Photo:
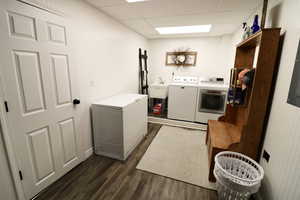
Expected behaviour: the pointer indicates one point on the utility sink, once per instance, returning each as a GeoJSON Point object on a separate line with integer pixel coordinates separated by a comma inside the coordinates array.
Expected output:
{"type": "Point", "coordinates": [159, 91]}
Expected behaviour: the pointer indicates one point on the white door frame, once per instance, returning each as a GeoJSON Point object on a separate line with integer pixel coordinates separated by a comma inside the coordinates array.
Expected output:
{"type": "Point", "coordinates": [12, 159]}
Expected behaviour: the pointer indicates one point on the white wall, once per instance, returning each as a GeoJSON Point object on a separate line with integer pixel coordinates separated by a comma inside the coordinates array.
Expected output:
{"type": "Point", "coordinates": [282, 175]}
{"type": "Point", "coordinates": [212, 60]}
{"type": "Point", "coordinates": [106, 55]}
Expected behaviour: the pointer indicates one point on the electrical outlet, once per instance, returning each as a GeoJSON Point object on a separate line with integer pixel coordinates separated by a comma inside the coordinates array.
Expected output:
{"type": "Point", "coordinates": [266, 156]}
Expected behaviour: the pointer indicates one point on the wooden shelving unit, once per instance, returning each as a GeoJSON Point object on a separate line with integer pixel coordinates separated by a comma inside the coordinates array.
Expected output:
{"type": "Point", "coordinates": [241, 128]}
{"type": "Point", "coordinates": [252, 41]}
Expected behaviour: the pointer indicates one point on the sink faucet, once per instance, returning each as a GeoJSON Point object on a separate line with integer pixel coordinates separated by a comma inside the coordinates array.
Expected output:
{"type": "Point", "coordinates": [161, 81]}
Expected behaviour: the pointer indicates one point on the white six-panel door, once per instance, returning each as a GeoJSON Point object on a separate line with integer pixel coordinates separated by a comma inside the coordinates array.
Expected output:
{"type": "Point", "coordinates": [39, 88]}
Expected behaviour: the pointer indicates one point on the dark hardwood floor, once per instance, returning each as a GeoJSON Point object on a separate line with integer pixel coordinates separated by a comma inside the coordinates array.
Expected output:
{"type": "Point", "coordinates": [101, 178]}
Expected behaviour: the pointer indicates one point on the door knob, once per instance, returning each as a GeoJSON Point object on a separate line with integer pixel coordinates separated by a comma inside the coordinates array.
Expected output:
{"type": "Point", "coordinates": [76, 101]}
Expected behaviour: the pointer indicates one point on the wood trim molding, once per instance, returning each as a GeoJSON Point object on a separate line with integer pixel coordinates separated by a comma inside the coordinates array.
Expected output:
{"type": "Point", "coordinates": [43, 6]}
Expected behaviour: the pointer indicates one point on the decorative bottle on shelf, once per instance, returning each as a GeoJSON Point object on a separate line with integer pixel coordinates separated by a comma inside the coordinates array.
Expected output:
{"type": "Point", "coordinates": [247, 31]}
{"type": "Point", "coordinates": [255, 27]}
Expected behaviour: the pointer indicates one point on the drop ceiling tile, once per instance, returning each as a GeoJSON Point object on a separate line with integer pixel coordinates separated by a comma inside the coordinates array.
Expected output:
{"type": "Point", "coordinates": [162, 8]}
{"type": "Point", "coordinates": [195, 6]}
{"type": "Point", "coordinates": [139, 11]}
{"type": "Point", "coordinates": [123, 12]}
{"type": "Point", "coordinates": [224, 28]}
{"type": "Point", "coordinates": [238, 5]}
{"type": "Point", "coordinates": [210, 18]}
{"type": "Point", "coordinates": [103, 3]}
{"type": "Point", "coordinates": [141, 26]}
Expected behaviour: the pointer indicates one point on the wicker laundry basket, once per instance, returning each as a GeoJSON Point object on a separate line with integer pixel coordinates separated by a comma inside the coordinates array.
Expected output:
{"type": "Point", "coordinates": [238, 176]}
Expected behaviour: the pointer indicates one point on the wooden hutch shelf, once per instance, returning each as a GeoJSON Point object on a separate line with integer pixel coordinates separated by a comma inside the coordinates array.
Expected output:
{"type": "Point", "coordinates": [241, 128]}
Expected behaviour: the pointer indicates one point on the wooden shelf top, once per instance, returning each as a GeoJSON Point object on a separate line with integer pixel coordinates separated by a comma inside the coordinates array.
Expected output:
{"type": "Point", "coordinates": [254, 40]}
{"type": "Point", "coordinates": [223, 134]}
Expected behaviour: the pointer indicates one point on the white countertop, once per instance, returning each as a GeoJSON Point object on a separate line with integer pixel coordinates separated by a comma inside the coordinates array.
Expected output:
{"type": "Point", "coordinates": [204, 85]}
{"type": "Point", "coordinates": [184, 84]}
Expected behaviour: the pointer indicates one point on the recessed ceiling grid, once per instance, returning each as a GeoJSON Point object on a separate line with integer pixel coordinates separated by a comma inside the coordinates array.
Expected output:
{"type": "Point", "coordinates": [143, 17]}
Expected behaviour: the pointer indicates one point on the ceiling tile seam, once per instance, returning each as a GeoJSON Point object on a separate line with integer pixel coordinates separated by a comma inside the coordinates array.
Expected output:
{"type": "Point", "coordinates": [184, 15]}
{"type": "Point", "coordinates": [122, 4]}
{"type": "Point", "coordinates": [122, 22]}
{"type": "Point", "coordinates": [220, 3]}
{"type": "Point", "coordinates": [145, 19]}
{"type": "Point", "coordinates": [191, 14]}
{"type": "Point", "coordinates": [150, 25]}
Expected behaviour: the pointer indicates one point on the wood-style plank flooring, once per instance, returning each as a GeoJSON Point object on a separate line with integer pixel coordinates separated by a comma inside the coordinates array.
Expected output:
{"type": "Point", "coordinates": [101, 178]}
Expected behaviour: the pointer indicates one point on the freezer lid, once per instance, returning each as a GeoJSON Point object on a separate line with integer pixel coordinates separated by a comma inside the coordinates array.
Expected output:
{"type": "Point", "coordinates": [119, 101]}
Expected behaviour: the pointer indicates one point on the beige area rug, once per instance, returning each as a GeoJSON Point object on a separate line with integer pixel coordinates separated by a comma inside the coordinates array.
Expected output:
{"type": "Point", "coordinates": [178, 153]}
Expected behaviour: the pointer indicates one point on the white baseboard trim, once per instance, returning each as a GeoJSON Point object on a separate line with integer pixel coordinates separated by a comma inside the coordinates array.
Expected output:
{"type": "Point", "coordinates": [88, 153]}
{"type": "Point", "coordinates": [178, 123]}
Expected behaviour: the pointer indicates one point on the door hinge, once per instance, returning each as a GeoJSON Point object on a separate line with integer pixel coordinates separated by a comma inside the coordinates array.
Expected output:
{"type": "Point", "coordinates": [21, 175]}
{"type": "Point", "coordinates": [6, 106]}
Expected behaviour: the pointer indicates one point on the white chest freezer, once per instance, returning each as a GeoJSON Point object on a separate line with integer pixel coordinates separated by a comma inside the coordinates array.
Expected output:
{"type": "Point", "coordinates": [119, 124]}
